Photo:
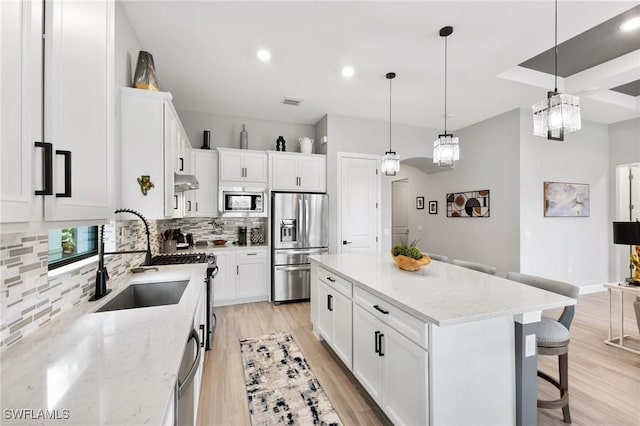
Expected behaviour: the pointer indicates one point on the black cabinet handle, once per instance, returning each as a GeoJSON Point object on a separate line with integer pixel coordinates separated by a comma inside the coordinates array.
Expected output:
{"type": "Point", "coordinates": [345, 242]}
{"type": "Point", "coordinates": [331, 279]}
{"type": "Point", "coordinates": [381, 310]}
{"type": "Point", "coordinates": [189, 203]}
{"type": "Point", "coordinates": [176, 198]}
{"type": "Point", "coordinates": [377, 342]}
{"type": "Point", "coordinates": [47, 169]}
{"type": "Point", "coordinates": [196, 206]}
{"type": "Point", "coordinates": [67, 174]}
{"type": "Point", "coordinates": [380, 336]}
{"type": "Point", "coordinates": [202, 331]}
{"type": "Point", "coordinates": [330, 302]}
{"type": "Point", "coordinates": [181, 164]}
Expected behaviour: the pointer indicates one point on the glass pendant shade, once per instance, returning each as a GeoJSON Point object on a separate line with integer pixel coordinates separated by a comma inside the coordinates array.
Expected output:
{"type": "Point", "coordinates": [446, 150]}
{"type": "Point", "coordinates": [556, 115]}
{"type": "Point", "coordinates": [390, 163]}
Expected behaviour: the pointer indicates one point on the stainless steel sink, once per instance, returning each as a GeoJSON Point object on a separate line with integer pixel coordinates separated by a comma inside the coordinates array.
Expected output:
{"type": "Point", "coordinates": [146, 295]}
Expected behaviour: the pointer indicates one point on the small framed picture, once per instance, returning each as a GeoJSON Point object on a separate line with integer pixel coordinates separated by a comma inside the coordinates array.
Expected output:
{"type": "Point", "coordinates": [433, 207]}
{"type": "Point", "coordinates": [419, 203]}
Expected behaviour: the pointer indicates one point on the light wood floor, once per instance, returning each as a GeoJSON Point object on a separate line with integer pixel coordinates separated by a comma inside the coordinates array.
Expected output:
{"type": "Point", "coordinates": [604, 381]}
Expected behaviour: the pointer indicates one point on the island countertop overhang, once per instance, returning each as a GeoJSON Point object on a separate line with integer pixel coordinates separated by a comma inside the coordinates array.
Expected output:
{"type": "Point", "coordinates": [440, 293]}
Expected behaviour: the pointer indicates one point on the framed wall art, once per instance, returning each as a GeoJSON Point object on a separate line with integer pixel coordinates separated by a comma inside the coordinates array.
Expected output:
{"type": "Point", "coordinates": [566, 199]}
{"type": "Point", "coordinates": [468, 204]}
{"type": "Point", "coordinates": [420, 203]}
{"type": "Point", "coordinates": [433, 207]}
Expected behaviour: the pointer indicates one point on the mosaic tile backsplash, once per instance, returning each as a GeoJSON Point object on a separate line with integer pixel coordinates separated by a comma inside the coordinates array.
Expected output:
{"type": "Point", "coordinates": [30, 297]}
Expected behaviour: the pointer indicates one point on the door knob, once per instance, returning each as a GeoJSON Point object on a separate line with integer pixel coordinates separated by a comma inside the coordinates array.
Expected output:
{"type": "Point", "coordinates": [345, 242]}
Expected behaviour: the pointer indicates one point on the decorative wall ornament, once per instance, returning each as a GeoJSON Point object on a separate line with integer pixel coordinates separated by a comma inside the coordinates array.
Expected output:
{"type": "Point", "coordinates": [433, 207]}
{"type": "Point", "coordinates": [420, 203]}
{"type": "Point", "coordinates": [468, 204]}
{"type": "Point", "coordinates": [145, 184]}
{"type": "Point", "coordinates": [566, 199]}
{"type": "Point", "coordinates": [281, 144]}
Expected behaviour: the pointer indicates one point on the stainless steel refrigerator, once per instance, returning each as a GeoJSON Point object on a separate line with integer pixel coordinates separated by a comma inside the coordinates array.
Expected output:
{"type": "Point", "coordinates": [299, 228]}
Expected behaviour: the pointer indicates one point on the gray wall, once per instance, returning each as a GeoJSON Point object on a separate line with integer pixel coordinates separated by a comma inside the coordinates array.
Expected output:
{"type": "Point", "coordinates": [624, 148]}
{"type": "Point", "coordinates": [357, 135]}
{"type": "Point", "coordinates": [563, 248]}
{"type": "Point", "coordinates": [321, 130]}
{"type": "Point", "coordinates": [489, 159]}
{"type": "Point", "coordinates": [417, 219]}
{"type": "Point", "coordinates": [225, 131]}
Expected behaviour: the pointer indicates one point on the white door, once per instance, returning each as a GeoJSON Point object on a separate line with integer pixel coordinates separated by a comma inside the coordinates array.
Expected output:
{"type": "Point", "coordinates": [252, 279]}
{"type": "Point", "coordinates": [284, 175]}
{"type": "Point", "coordinates": [366, 360]}
{"type": "Point", "coordinates": [79, 108]}
{"type": "Point", "coordinates": [20, 111]}
{"type": "Point", "coordinates": [358, 204]}
{"type": "Point", "coordinates": [342, 327]}
{"type": "Point", "coordinates": [224, 284]}
{"type": "Point", "coordinates": [400, 211]}
{"type": "Point", "coordinates": [231, 165]}
{"type": "Point", "coordinates": [312, 172]}
{"type": "Point", "coordinates": [325, 313]}
{"type": "Point", "coordinates": [206, 197]}
{"type": "Point", "coordinates": [255, 167]}
{"type": "Point", "coordinates": [405, 376]}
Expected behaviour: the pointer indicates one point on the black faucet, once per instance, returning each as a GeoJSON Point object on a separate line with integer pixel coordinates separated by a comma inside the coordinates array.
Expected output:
{"type": "Point", "coordinates": [102, 275]}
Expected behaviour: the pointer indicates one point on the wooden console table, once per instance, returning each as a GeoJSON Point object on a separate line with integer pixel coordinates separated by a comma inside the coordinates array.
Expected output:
{"type": "Point", "coordinates": [618, 341]}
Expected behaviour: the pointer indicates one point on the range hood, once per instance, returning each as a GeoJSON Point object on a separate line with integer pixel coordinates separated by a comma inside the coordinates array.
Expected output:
{"type": "Point", "coordinates": [185, 182]}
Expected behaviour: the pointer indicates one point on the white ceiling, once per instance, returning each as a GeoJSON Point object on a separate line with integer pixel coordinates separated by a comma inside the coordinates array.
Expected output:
{"type": "Point", "coordinates": [205, 54]}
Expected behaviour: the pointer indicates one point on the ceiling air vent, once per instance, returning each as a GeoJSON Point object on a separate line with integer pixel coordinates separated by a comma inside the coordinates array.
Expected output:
{"type": "Point", "coordinates": [289, 100]}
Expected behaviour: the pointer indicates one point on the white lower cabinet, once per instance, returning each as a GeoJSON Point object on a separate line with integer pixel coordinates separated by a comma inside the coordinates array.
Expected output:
{"type": "Point", "coordinates": [335, 321]}
{"type": "Point", "coordinates": [391, 368]}
{"type": "Point", "coordinates": [243, 276]}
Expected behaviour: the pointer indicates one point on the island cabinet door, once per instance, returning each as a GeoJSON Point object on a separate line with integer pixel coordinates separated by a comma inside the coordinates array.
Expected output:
{"type": "Point", "coordinates": [405, 399]}
{"type": "Point", "coordinates": [367, 362]}
{"type": "Point", "coordinates": [325, 312]}
{"type": "Point", "coordinates": [342, 327]}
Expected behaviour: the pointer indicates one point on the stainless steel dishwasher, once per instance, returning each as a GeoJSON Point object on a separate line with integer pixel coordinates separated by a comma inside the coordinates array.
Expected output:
{"type": "Point", "coordinates": [184, 394]}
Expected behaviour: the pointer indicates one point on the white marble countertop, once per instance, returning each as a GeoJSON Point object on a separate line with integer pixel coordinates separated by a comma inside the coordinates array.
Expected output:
{"type": "Point", "coordinates": [116, 367]}
{"type": "Point", "coordinates": [440, 293]}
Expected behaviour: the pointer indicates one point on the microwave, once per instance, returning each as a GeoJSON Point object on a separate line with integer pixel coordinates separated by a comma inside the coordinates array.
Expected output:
{"type": "Point", "coordinates": [242, 202]}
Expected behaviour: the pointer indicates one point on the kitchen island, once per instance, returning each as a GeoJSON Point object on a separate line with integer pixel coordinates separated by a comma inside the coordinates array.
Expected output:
{"type": "Point", "coordinates": [444, 345]}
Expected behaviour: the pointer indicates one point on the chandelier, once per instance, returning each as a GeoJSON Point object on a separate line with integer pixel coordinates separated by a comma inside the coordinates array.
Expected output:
{"type": "Point", "coordinates": [390, 160]}
{"type": "Point", "coordinates": [446, 148]}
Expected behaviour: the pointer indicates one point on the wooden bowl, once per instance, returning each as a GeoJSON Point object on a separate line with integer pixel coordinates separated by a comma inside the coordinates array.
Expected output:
{"type": "Point", "coordinates": [410, 264]}
{"type": "Point", "coordinates": [219, 242]}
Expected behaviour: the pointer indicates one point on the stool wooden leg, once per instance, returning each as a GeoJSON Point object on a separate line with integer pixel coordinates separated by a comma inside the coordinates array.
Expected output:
{"type": "Point", "coordinates": [563, 367]}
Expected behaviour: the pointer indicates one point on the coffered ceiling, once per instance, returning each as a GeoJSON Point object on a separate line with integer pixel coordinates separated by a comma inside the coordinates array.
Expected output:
{"type": "Point", "coordinates": [205, 54]}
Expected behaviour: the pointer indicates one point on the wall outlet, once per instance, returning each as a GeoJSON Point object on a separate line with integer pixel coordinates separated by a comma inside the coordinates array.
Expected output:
{"type": "Point", "coordinates": [419, 227]}
{"type": "Point", "coordinates": [530, 345]}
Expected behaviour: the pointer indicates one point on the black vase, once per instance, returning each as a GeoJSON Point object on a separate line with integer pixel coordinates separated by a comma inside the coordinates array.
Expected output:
{"type": "Point", "coordinates": [145, 75]}
{"type": "Point", "coordinates": [280, 144]}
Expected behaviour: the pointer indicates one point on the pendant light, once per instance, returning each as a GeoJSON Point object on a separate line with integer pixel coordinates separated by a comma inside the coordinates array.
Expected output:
{"type": "Point", "coordinates": [445, 148]}
{"type": "Point", "coordinates": [390, 160]}
{"type": "Point", "coordinates": [559, 113]}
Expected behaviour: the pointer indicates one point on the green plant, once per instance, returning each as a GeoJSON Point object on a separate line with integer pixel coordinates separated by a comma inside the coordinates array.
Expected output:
{"type": "Point", "coordinates": [409, 250]}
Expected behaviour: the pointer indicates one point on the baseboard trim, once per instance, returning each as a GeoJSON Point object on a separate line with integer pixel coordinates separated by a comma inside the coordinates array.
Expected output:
{"type": "Point", "coordinates": [594, 288]}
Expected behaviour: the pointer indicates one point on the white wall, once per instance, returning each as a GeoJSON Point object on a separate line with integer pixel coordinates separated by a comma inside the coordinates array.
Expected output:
{"type": "Point", "coordinates": [489, 159]}
{"type": "Point", "coordinates": [568, 249]}
{"type": "Point", "coordinates": [225, 131]}
{"type": "Point", "coordinates": [624, 148]}
{"type": "Point", "coordinates": [357, 135]}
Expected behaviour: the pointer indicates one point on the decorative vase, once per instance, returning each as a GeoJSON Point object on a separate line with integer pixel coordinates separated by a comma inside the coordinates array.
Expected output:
{"type": "Point", "coordinates": [145, 75]}
{"type": "Point", "coordinates": [410, 264]}
{"type": "Point", "coordinates": [280, 144]}
{"type": "Point", "coordinates": [244, 138]}
{"type": "Point", "coordinates": [206, 142]}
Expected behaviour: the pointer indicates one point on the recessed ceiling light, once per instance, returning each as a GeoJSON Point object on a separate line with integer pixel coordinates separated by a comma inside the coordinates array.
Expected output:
{"type": "Point", "coordinates": [347, 71]}
{"type": "Point", "coordinates": [264, 55]}
{"type": "Point", "coordinates": [631, 24]}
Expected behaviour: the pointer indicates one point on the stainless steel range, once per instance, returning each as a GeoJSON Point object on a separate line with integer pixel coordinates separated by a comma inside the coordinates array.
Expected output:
{"type": "Point", "coordinates": [212, 270]}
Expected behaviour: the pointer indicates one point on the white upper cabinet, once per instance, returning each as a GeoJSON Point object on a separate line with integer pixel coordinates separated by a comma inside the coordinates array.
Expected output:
{"type": "Point", "coordinates": [57, 141]}
{"type": "Point", "coordinates": [78, 109]}
{"type": "Point", "coordinates": [151, 130]}
{"type": "Point", "coordinates": [297, 172]}
{"type": "Point", "coordinates": [20, 111]}
{"type": "Point", "coordinates": [242, 167]}
{"type": "Point", "coordinates": [206, 170]}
